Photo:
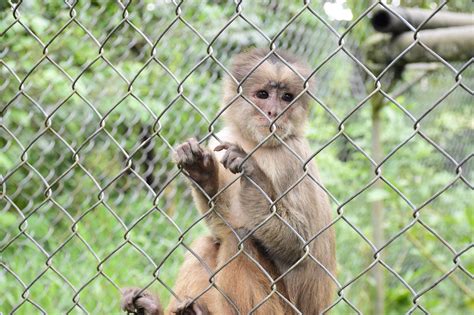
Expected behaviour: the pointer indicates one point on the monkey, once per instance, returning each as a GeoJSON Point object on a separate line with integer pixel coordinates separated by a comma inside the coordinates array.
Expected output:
{"type": "Point", "coordinates": [262, 199]}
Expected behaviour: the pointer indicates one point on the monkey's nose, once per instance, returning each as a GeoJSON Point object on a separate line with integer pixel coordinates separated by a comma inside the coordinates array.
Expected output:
{"type": "Point", "coordinates": [272, 114]}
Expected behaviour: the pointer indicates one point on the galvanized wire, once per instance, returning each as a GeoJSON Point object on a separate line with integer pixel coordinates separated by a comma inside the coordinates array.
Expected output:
{"type": "Point", "coordinates": [93, 163]}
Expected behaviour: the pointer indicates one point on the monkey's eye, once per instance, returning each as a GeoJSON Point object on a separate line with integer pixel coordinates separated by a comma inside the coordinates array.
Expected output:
{"type": "Point", "coordinates": [262, 94]}
{"type": "Point", "coordinates": [287, 97]}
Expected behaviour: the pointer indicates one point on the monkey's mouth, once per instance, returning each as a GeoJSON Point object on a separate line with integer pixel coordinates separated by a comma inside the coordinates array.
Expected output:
{"type": "Point", "coordinates": [266, 127]}
{"type": "Point", "coordinates": [265, 124]}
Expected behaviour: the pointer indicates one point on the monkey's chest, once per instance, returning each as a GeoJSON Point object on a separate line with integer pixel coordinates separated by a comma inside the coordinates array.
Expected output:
{"type": "Point", "coordinates": [282, 170]}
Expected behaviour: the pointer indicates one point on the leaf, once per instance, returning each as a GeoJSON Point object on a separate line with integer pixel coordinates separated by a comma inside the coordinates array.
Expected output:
{"type": "Point", "coordinates": [7, 220]}
{"type": "Point", "coordinates": [6, 163]}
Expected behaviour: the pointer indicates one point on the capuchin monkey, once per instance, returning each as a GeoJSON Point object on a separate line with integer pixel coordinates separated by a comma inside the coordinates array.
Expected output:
{"type": "Point", "coordinates": [261, 203]}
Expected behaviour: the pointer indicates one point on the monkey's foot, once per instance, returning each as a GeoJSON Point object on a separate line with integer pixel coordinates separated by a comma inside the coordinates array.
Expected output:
{"type": "Point", "coordinates": [140, 303]}
{"type": "Point", "coordinates": [190, 307]}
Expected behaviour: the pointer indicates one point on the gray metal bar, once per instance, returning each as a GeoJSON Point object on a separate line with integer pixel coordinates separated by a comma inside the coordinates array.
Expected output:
{"type": "Point", "coordinates": [386, 22]}
{"type": "Point", "coordinates": [451, 44]}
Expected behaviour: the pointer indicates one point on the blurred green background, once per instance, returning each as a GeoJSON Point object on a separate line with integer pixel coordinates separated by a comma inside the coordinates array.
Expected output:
{"type": "Point", "coordinates": [91, 202]}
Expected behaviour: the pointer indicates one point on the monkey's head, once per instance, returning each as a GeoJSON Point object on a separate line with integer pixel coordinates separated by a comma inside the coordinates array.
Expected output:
{"type": "Point", "coordinates": [270, 91]}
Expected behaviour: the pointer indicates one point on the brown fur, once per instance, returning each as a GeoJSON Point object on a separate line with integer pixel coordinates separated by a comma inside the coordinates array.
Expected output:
{"type": "Point", "coordinates": [237, 279]}
{"type": "Point", "coordinates": [275, 169]}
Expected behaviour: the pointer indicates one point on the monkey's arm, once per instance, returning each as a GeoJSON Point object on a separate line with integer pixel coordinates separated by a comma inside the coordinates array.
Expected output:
{"type": "Point", "coordinates": [282, 236]}
{"type": "Point", "coordinates": [202, 168]}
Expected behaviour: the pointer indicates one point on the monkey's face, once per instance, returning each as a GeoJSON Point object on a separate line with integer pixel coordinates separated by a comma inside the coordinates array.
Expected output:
{"type": "Point", "coordinates": [271, 100]}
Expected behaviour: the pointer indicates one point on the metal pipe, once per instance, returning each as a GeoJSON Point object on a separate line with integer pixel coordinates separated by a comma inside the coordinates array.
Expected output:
{"type": "Point", "coordinates": [386, 22]}
{"type": "Point", "coordinates": [451, 44]}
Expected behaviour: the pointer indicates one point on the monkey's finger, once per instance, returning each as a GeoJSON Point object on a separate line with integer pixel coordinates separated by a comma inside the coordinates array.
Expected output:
{"type": "Point", "coordinates": [207, 159]}
{"type": "Point", "coordinates": [128, 297]}
{"type": "Point", "coordinates": [174, 157]}
{"type": "Point", "coordinates": [230, 162]}
{"type": "Point", "coordinates": [227, 146]}
{"type": "Point", "coordinates": [187, 153]}
{"type": "Point", "coordinates": [223, 146]}
{"type": "Point", "coordinates": [180, 156]}
{"type": "Point", "coordinates": [225, 158]}
{"type": "Point", "coordinates": [235, 166]}
{"type": "Point", "coordinates": [148, 305]}
{"type": "Point", "coordinates": [195, 147]}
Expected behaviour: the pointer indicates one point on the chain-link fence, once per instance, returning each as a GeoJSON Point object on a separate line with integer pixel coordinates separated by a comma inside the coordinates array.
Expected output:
{"type": "Point", "coordinates": [95, 96]}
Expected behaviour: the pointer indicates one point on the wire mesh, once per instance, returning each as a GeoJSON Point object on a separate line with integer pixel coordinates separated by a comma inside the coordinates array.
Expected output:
{"type": "Point", "coordinates": [95, 96]}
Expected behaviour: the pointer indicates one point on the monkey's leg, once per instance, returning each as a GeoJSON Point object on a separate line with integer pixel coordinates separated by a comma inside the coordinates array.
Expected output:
{"type": "Point", "coordinates": [245, 283]}
{"type": "Point", "coordinates": [193, 280]}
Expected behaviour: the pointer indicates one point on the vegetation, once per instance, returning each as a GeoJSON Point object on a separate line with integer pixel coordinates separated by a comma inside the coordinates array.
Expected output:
{"type": "Point", "coordinates": [90, 93]}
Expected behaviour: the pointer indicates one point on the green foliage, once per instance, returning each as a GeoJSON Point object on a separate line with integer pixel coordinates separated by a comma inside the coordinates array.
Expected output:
{"type": "Point", "coordinates": [93, 221]}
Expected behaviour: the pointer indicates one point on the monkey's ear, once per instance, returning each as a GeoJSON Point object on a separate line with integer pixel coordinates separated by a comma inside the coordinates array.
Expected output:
{"type": "Point", "coordinates": [244, 62]}
{"type": "Point", "coordinates": [306, 73]}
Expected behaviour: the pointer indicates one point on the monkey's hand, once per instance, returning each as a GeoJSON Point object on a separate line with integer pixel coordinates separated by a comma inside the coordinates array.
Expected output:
{"type": "Point", "coordinates": [255, 179]}
{"type": "Point", "coordinates": [140, 303]}
{"type": "Point", "coordinates": [200, 164]}
{"type": "Point", "coordinates": [233, 159]}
